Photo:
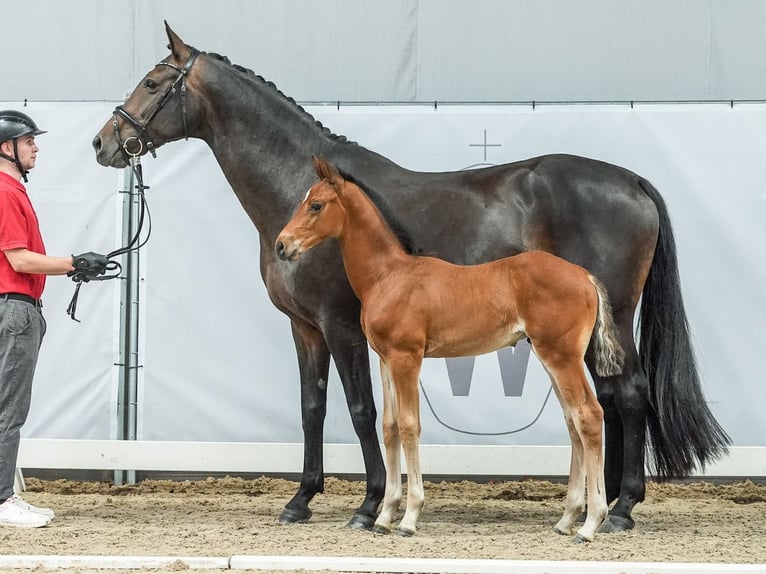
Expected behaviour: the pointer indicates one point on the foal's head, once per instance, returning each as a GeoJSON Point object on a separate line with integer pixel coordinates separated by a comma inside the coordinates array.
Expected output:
{"type": "Point", "coordinates": [319, 215]}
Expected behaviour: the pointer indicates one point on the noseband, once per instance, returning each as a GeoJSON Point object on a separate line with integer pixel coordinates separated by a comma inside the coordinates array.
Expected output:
{"type": "Point", "coordinates": [142, 139]}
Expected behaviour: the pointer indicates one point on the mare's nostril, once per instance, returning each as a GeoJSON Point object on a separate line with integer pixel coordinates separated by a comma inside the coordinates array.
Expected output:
{"type": "Point", "coordinates": [97, 143]}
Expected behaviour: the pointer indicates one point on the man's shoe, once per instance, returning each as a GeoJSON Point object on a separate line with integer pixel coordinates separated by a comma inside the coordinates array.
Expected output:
{"type": "Point", "coordinates": [16, 512]}
{"type": "Point", "coordinates": [32, 508]}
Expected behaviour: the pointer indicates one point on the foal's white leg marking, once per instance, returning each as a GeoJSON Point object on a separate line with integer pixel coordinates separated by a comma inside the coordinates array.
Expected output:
{"type": "Point", "coordinates": [415, 492]}
{"type": "Point", "coordinates": [393, 495]}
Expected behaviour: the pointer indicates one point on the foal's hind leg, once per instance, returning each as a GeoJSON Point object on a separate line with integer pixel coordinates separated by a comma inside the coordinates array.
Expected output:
{"type": "Point", "coordinates": [575, 499]}
{"type": "Point", "coordinates": [590, 427]}
{"type": "Point", "coordinates": [585, 423]}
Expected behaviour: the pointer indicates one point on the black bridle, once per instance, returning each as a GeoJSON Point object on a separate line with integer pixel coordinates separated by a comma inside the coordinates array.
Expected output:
{"type": "Point", "coordinates": [142, 140]}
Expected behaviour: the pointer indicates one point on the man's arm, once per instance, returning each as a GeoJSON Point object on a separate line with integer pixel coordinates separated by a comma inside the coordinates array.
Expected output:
{"type": "Point", "coordinates": [25, 261]}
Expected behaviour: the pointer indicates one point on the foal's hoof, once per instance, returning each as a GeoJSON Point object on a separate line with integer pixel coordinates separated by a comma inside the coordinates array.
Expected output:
{"type": "Point", "coordinates": [614, 523]}
{"type": "Point", "coordinates": [361, 522]}
{"type": "Point", "coordinates": [405, 532]}
{"type": "Point", "coordinates": [292, 516]}
{"type": "Point", "coordinates": [579, 539]}
{"type": "Point", "coordinates": [377, 529]}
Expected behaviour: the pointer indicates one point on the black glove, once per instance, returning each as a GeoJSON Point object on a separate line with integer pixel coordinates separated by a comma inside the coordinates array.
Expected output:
{"type": "Point", "coordinates": [87, 266]}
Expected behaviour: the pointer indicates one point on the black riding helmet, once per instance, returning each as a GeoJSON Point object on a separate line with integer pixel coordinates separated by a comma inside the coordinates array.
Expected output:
{"type": "Point", "coordinates": [13, 125]}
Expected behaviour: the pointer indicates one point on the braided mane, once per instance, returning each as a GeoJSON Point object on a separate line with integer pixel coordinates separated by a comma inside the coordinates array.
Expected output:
{"type": "Point", "coordinates": [270, 85]}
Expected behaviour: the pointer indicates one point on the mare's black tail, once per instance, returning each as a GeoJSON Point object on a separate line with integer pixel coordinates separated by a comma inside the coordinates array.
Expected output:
{"type": "Point", "coordinates": [682, 431]}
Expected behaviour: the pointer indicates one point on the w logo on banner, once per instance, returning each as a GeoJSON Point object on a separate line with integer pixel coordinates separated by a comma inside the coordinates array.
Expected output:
{"type": "Point", "coordinates": [512, 361]}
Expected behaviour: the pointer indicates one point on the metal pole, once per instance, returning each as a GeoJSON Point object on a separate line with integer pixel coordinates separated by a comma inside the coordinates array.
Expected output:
{"type": "Point", "coordinates": [133, 261]}
{"type": "Point", "coordinates": [128, 344]}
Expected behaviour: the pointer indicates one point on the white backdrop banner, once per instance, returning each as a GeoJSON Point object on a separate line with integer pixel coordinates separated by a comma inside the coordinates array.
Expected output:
{"type": "Point", "coordinates": [218, 362]}
{"type": "Point", "coordinates": [79, 208]}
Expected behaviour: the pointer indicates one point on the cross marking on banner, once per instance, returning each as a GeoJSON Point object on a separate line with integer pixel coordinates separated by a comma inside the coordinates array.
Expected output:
{"type": "Point", "coordinates": [485, 145]}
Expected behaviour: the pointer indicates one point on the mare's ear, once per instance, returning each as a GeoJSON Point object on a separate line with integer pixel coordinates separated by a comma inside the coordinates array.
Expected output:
{"type": "Point", "coordinates": [175, 44]}
{"type": "Point", "coordinates": [325, 170]}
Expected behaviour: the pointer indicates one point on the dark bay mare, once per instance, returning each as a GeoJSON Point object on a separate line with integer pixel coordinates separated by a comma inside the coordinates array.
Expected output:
{"type": "Point", "coordinates": [604, 218]}
{"type": "Point", "coordinates": [415, 306]}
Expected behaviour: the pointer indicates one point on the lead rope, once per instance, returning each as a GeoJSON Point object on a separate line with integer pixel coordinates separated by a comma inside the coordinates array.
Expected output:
{"type": "Point", "coordinates": [114, 267]}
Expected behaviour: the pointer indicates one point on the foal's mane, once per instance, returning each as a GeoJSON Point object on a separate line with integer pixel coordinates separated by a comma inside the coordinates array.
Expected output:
{"type": "Point", "coordinates": [271, 86]}
{"type": "Point", "coordinates": [405, 239]}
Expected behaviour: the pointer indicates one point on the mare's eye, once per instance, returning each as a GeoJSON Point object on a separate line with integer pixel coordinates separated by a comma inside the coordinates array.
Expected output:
{"type": "Point", "coordinates": [315, 207]}
{"type": "Point", "coordinates": [150, 84]}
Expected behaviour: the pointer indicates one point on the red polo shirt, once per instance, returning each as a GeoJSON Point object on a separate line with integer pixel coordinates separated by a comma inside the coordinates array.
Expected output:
{"type": "Point", "coordinates": [18, 228]}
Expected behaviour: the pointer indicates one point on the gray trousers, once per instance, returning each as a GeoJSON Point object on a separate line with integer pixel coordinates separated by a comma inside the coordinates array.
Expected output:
{"type": "Point", "coordinates": [22, 328]}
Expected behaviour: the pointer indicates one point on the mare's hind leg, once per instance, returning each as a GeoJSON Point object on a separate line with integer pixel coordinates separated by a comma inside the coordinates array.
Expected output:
{"type": "Point", "coordinates": [314, 365]}
{"type": "Point", "coordinates": [625, 399]}
{"type": "Point", "coordinates": [392, 442]}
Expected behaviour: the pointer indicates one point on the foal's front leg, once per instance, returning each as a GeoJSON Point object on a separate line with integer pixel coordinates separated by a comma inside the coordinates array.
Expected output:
{"type": "Point", "coordinates": [405, 371]}
{"type": "Point", "coordinates": [391, 440]}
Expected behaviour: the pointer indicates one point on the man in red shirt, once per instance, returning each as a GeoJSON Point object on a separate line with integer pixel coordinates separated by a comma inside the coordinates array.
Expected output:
{"type": "Point", "coordinates": [24, 266]}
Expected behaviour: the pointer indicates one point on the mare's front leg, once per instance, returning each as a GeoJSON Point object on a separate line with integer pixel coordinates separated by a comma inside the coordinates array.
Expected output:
{"type": "Point", "coordinates": [348, 347]}
{"type": "Point", "coordinates": [625, 400]}
{"type": "Point", "coordinates": [392, 442]}
{"type": "Point", "coordinates": [314, 366]}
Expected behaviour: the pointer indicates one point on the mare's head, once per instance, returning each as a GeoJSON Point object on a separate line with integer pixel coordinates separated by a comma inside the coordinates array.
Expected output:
{"type": "Point", "coordinates": [160, 109]}
{"type": "Point", "coordinates": [319, 216]}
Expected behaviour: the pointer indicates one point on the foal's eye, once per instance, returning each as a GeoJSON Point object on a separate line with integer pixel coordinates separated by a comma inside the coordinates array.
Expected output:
{"type": "Point", "coordinates": [315, 207]}
{"type": "Point", "coordinates": [150, 84]}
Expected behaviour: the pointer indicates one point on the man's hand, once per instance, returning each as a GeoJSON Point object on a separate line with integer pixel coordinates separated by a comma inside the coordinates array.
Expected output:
{"type": "Point", "coordinates": [87, 266]}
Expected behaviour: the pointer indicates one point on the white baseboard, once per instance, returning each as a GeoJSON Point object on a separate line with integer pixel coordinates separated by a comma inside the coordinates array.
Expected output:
{"type": "Point", "coordinates": [287, 458]}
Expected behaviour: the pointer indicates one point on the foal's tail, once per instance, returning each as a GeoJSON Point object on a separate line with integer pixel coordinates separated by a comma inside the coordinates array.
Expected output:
{"type": "Point", "coordinates": [683, 433]}
{"type": "Point", "coordinates": [610, 355]}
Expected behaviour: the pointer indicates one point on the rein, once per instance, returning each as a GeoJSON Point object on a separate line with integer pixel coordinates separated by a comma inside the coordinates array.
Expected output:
{"type": "Point", "coordinates": [140, 141]}
{"type": "Point", "coordinates": [135, 243]}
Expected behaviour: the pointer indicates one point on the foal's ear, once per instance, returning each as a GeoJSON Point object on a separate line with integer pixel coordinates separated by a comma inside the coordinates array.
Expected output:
{"type": "Point", "coordinates": [325, 170]}
{"type": "Point", "coordinates": [175, 44]}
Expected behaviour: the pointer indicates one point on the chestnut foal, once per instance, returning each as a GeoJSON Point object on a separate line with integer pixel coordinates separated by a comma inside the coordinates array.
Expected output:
{"type": "Point", "coordinates": [415, 307]}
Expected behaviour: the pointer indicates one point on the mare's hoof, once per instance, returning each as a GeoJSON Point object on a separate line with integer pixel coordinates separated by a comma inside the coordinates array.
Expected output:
{"type": "Point", "coordinates": [361, 522]}
{"type": "Point", "coordinates": [292, 516]}
{"type": "Point", "coordinates": [579, 539]}
{"type": "Point", "coordinates": [614, 523]}
{"type": "Point", "coordinates": [405, 532]}
{"type": "Point", "coordinates": [376, 529]}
